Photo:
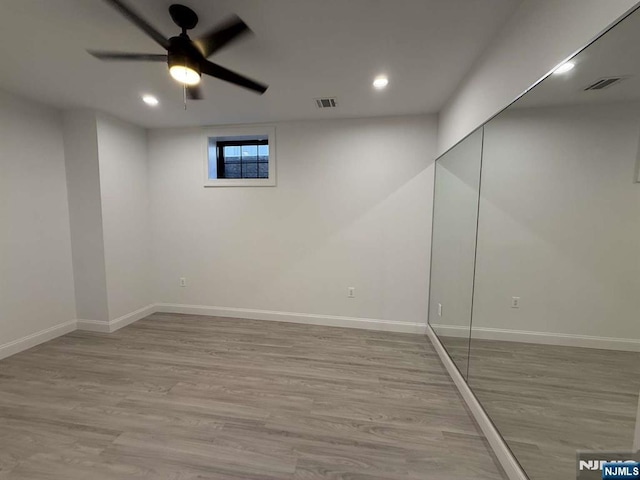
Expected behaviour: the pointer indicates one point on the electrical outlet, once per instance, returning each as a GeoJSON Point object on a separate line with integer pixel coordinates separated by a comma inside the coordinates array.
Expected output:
{"type": "Point", "coordinates": [439, 309]}
{"type": "Point", "coordinates": [183, 282]}
{"type": "Point", "coordinates": [351, 292]}
{"type": "Point", "coordinates": [515, 302]}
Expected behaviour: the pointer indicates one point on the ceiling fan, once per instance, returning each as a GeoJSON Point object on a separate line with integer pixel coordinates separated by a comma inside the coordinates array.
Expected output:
{"type": "Point", "coordinates": [186, 58]}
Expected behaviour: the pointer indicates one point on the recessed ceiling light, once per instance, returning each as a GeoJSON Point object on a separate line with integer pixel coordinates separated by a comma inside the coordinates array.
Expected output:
{"type": "Point", "coordinates": [380, 82]}
{"type": "Point", "coordinates": [150, 100]}
{"type": "Point", "coordinates": [564, 67]}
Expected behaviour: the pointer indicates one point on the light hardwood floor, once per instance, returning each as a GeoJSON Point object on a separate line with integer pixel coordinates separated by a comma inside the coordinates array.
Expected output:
{"type": "Point", "coordinates": [458, 349]}
{"type": "Point", "coordinates": [550, 401]}
{"type": "Point", "coordinates": [189, 397]}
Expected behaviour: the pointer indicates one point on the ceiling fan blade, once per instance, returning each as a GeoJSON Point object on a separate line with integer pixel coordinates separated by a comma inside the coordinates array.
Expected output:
{"type": "Point", "coordinates": [140, 22]}
{"type": "Point", "coordinates": [194, 93]}
{"type": "Point", "coordinates": [142, 57]}
{"type": "Point", "coordinates": [222, 73]}
{"type": "Point", "coordinates": [221, 35]}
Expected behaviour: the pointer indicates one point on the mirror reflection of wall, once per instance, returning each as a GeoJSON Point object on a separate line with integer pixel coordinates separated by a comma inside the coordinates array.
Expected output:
{"type": "Point", "coordinates": [554, 353]}
{"type": "Point", "coordinates": [455, 216]}
{"type": "Point", "coordinates": [560, 232]}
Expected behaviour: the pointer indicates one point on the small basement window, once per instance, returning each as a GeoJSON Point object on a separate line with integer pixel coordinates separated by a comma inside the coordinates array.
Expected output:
{"type": "Point", "coordinates": [241, 159]}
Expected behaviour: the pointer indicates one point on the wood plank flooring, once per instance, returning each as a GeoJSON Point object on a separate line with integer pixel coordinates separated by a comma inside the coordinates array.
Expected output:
{"type": "Point", "coordinates": [550, 401]}
{"type": "Point", "coordinates": [458, 349]}
{"type": "Point", "coordinates": [181, 397]}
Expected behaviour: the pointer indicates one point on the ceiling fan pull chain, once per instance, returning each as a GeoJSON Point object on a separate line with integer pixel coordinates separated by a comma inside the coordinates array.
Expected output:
{"type": "Point", "coordinates": [184, 95]}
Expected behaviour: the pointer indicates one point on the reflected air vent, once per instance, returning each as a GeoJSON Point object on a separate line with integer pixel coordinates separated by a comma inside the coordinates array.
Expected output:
{"type": "Point", "coordinates": [604, 83]}
{"type": "Point", "coordinates": [329, 102]}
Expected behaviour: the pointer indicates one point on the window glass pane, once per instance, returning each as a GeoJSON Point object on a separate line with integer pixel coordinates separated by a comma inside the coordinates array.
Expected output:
{"type": "Point", "coordinates": [263, 153]}
{"type": "Point", "coordinates": [232, 154]}
{"type": "Point", "coordinates": [249, 170]}
{"type": "Point", "coordinates": [232, 170]}
{"type": "Point", "coordinates": [263, 170]}
{"type": "Point", "coordinates": [250, 153]}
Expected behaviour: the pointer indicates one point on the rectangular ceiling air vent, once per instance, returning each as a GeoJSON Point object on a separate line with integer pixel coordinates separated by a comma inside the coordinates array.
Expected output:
{"type": "Point", "coordinates": [604, 83]}
{"type": "Point", "coordinates": [329, 102]}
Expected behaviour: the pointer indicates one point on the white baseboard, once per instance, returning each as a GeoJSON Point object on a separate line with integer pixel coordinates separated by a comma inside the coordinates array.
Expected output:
{"type": "Point", "coordinates": [308, 318]}
{"type": "Point", "coordinates": [543, 338]}
{"type": "Point", "coordinates": [451, 330]}
{"type": "Point", "coordinates": [24, 343]}
{"type": "Point", "coordinates": [101, 326]}
{"type": "Point", "coordinates": [129, 318]}
{"type": "Point", "coordinates": [104, 326]}
{"type": "Point", "coordinates": [252, 314]}
{"type": "Point", "coordinates": [503, 454]}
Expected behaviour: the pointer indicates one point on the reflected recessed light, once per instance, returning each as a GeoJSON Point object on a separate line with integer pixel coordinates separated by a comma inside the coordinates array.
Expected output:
{"type": "Point", "coordinates": [380, 82]}
{"type": "Point", "coordinates": [564, 68]}
{"type": "Point", "coordinates": [150, 100]}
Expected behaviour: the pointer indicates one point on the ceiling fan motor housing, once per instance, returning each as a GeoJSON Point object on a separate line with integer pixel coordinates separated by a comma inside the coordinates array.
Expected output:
{"type": "Point", "coordinates": [182, 52]}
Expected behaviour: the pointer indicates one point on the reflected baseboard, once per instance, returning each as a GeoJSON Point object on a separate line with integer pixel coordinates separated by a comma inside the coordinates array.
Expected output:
{"type": "Point", "coordinates": [543, 338]}
{"type": "Point", "coordinates": [450, 330]}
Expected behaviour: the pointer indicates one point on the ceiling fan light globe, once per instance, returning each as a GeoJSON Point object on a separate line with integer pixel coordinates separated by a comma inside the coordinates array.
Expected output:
{"type": "Point", "coordinates": [184, 74]}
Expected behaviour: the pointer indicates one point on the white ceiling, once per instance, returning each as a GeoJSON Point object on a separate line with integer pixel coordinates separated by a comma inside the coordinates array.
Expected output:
{"type": "Point", "coordinates": [302, 48]}
{"type": "Point", "coordinates": [614, 54]}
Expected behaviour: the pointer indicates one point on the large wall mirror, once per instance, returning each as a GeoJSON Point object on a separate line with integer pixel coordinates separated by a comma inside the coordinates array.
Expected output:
{"type": "Point", "coordinates": [455, 214]}
{"type": "Point", "coordinates": [554, 353]}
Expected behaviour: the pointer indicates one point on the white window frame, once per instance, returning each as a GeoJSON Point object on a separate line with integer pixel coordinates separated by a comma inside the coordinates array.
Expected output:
{"type": "Point", "coordinates": [228, 133]}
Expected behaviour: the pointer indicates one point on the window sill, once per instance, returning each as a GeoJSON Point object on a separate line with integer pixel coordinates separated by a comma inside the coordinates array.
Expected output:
{"type": "Point", "coordinates": [241, 182]}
